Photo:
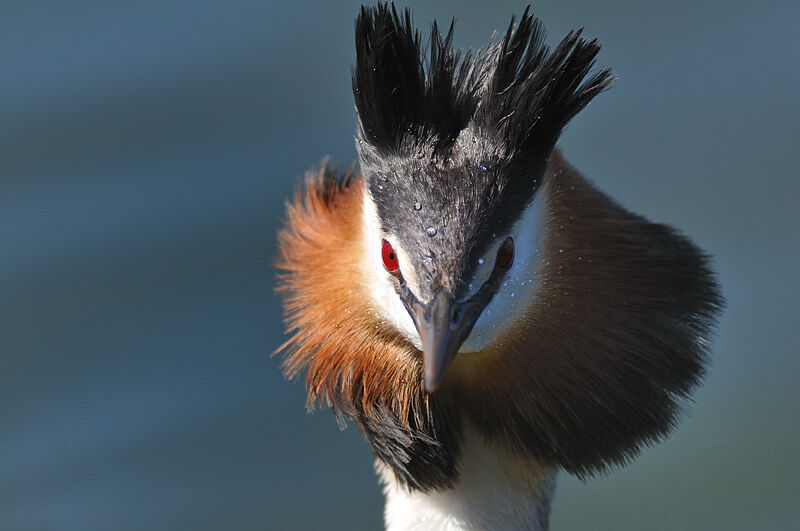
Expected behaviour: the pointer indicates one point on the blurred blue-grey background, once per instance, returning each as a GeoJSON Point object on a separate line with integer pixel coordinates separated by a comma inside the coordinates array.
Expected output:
{"type": "Point", "coordinates": [146, 151]}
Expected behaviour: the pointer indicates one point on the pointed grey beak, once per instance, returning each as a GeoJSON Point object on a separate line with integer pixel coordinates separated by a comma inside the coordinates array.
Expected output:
{"type": "Point", "coordinates": [440, 336]}
{"type": "Point", "coordinates": [443, 325]}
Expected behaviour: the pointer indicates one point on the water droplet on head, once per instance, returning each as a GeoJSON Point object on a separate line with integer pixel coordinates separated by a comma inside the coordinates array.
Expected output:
{"type": "Point", "coordinates": [431, 231]}
{"type": "Point", "coordinates": [417, 206]}
{"type": "Point", "coordinates": [561, 250]}
{"type": "Point", "coordinates": [481, 261]}
{"type": "Point", "coordinates": [494, 235]}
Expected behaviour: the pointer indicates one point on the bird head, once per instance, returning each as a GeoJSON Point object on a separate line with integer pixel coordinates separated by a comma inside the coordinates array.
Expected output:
{"type": "Point", "coordinates": [453, 153]}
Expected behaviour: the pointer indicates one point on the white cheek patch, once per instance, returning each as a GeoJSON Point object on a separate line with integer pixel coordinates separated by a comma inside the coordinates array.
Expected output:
{"type": "Point", "coordinates": [512, 300]}
{"type": "Point", "coordinates": [380, 284]}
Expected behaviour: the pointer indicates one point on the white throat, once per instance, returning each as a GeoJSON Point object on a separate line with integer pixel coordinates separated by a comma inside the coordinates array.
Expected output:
{"type": "Point", "coordinates": [496, 489]}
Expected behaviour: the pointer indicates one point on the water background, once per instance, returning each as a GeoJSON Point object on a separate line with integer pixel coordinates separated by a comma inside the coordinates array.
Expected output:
{"type": "Point", "coordinates": [146, 151]}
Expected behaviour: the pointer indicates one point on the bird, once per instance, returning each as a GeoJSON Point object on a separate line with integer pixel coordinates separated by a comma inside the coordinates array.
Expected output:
{"type": "Point", "coordinates": [484, 314]}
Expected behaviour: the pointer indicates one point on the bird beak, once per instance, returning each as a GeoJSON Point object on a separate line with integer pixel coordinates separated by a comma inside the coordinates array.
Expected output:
{"type": "Point", "coordinates": [443, 325]}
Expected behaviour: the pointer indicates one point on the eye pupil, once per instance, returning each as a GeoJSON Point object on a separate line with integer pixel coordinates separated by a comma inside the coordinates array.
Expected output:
{"type": "Point", "coordinates": [505, 255]}
{"type": "Point", "coordinates": [390, 262]}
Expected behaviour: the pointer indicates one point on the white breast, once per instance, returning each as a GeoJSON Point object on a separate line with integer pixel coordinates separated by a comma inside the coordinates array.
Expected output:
{"type": "Point", "coordinates": [496, 490]}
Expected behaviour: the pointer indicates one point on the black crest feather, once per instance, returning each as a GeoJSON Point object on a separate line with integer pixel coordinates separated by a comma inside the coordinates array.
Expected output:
{"type": "Point", "coordinates": [531, 93]}
{"type": "Point", "coordinates": [394, 94]}
{"type": "Point", "coordinates": [516, 95]}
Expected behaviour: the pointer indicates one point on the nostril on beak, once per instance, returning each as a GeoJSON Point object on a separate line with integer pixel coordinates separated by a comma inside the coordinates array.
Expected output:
{"type": "Point", "coordinates": [455, 315]}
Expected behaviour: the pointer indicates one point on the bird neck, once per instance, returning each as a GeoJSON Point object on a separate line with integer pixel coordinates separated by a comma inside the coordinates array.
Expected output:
{"type": "Point", "coordinates": [496, 489]}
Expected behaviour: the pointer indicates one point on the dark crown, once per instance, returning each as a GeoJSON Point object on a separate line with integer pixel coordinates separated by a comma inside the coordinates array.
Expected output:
{"type": "Point", "coordinates": [517, 95]}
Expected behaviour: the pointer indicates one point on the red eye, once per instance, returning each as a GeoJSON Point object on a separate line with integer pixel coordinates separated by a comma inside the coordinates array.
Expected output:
{"type": "Point", "coordinates": [505, 255]}
{"type": "Point", "coordinates": [389, 258]}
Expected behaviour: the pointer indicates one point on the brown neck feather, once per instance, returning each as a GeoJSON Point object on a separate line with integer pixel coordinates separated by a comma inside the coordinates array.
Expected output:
{"type": "Point", "coordinates": [346, 352]}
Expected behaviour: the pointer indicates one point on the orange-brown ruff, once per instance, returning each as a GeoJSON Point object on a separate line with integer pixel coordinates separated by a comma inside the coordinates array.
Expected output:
{"type": "Point", "coordinates": [612, 340]}
{"type": "Point", "coordinates": [351, 357]}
